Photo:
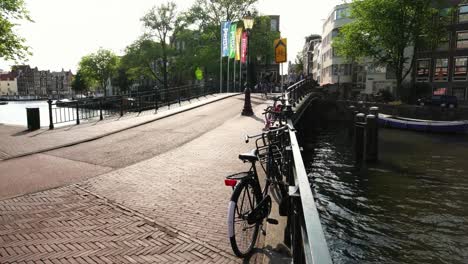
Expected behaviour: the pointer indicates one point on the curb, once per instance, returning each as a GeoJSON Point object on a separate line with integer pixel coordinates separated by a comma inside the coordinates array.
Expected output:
{"type": "Point", "coordinates": [116, 131]}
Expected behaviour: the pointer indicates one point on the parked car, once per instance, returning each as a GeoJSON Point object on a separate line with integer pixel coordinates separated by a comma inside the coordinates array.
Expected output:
{"type": "Point", "coordinates": [440, 100]}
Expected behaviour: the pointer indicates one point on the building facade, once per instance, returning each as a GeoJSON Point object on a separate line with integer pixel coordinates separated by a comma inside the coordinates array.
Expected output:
{"type": "Point", "coordinates": [31, 81]}
{"type": "Point", "coordinates": [444, 69]}
{"type": "Point", "coordinates": [308, 53]}
{"type": "Point", "coordinates": [350, 78]}
{"type": "Point", "coordinates": [8, 84]}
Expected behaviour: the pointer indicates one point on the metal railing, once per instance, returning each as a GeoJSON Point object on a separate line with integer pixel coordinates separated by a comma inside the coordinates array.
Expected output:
{"type": "Point", "coordinates": [135, 101]}
{"type": "Point", "coordinates": [306, 237]}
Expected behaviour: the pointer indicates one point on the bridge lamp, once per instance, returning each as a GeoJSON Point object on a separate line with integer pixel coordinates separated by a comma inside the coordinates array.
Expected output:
{"type": "Point", "coordinates": [248, 25]}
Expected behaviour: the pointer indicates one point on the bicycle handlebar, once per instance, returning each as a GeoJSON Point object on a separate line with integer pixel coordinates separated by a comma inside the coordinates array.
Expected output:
{"type": "Point", "coordinates": [285, 127]}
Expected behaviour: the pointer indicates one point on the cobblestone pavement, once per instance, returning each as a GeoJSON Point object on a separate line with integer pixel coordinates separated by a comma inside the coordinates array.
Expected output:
{"type": "Point", "coordinates": [169, 208]}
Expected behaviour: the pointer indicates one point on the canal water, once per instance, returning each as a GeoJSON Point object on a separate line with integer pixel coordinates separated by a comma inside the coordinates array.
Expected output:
{"type": "Point", "coordinates": [14, 113]}
{"type": "Point", "coordinates": [411, 207]}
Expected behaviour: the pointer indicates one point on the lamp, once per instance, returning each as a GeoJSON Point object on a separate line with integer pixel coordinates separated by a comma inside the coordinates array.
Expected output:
{"type": "Point", "coordinates": [248, 25]}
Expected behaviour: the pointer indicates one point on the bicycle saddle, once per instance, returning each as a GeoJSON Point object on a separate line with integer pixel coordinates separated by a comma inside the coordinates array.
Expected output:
{"type": "Point", "coordinates": [250, 157]}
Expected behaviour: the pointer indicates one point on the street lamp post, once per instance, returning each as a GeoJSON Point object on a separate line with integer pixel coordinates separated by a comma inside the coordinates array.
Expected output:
{"type": "Point", "coordinates": [248, 24]}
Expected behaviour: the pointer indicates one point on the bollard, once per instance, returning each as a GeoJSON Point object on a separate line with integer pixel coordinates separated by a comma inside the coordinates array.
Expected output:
{"type": "Point", "coordinates": [350, 115]}
{"type": "Point", "coordinates": [359, 137]}
{"type": "Point", "coordinates": [375, 111]}
{"type": "Point", "coordinates": [51, 121]}
{"type": "Point", "coordinates": [371, 138]}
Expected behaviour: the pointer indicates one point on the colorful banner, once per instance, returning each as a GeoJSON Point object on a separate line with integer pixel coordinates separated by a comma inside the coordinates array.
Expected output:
{"type": "Point", "coordinates": [244, 40]}
{"type": "Point", "coordinates": [238, 43]}
{"type": "Point", "coordinates": [232, 41]}
{"type": "Point", "coordinates": [225, 27]}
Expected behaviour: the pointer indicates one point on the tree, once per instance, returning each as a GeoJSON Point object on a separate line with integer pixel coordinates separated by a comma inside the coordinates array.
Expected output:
{"type": "Point", "coordinates": [161, 21]}
{"type": "Point", "coordinates": [11, 45]}
{"type": "Point", "coordinates": [99, 67]}
{"type": "Point", "coordinates": [383, 29]}
{"type": "Point", "coordinates": [206, 13]}
{"type": "Point", "coordinates": [142, 58]}
{"type": "Point", "coordinates": [79, 83]}
{"type": "Point", "coordinates": [262, 41]}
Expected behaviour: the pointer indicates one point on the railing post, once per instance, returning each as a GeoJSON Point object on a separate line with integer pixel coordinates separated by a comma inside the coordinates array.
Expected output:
{"type": "Point", "coordinates": [51, 121]}
{"type": "Point", "coordinates": [179, 94]}
{"type": "Point", "coordinates": [77, 112]}
{"type": "Point", "coordinates": [155, 100]}
{"type": "Point", "coordinates": [121, 105]}
{"type": "Point", "coordinates": [100, 109]}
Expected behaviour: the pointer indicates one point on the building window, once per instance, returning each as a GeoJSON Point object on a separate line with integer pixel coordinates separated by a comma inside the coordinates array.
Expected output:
{"type": "Point", "coordinates": [441, 70]}
{"type": "Point", "coordinates": [460, 69]}
{"type": "Point", "coordinates": [459, 92]}
{"type": "Point", "coordinates": [444, 42]}
{"type": "Point", "coordinates": [341, 13]}
{"type": "Point", "coordinates": [440, 91]}
{"type": "Point", "coordinates": [422, 70]}
{"type": "Point", "coordinates": [463, 14]}
{"type": "Point", "coordinates": [462, 40]}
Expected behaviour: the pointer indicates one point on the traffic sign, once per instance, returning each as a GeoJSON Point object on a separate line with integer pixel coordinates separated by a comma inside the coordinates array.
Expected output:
{"type": "Point", "coordinates": [281, 51]}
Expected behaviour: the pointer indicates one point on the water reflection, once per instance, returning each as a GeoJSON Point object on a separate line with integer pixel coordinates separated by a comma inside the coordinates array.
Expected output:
{"type": "Point", "coordinates": [412, 207]}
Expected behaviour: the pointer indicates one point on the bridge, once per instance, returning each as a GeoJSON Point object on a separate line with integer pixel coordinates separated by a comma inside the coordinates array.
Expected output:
{"type": "Point", "coordinates": [145, 187]}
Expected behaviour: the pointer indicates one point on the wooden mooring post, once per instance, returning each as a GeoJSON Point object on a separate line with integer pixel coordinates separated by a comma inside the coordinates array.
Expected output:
{"type": "Point", "coordinates": [366, 134]}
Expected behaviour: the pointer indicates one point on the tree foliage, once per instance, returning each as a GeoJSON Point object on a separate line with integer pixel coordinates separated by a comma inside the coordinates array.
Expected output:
{"type": "Point", "coordinates": [383, 29]}
{"type": "Point", "coordinates": [79, 83]}
{"type": "Point", "coordinates": [12, 46]}
{"type": "Point", "coordinates": [161, 21]}
{"type": "Point", "coordinates": [209, 13]}
{"type": "Point", "coordinates": [99, 67]}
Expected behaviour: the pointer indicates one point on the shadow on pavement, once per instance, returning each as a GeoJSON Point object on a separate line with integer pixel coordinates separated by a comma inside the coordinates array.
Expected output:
{"type": "Point", "coordinates": [278, 255]}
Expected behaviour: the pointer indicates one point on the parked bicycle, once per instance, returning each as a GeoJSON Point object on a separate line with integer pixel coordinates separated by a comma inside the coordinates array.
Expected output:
{"type": "Point", "coordinates": [274, 114]}
{"type": "Point", "coordinates": [249, 204]}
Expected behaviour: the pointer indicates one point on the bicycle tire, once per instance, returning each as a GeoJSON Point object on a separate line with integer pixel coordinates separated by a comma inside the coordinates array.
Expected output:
{"type": "Point", "coordinates": [243, 243]}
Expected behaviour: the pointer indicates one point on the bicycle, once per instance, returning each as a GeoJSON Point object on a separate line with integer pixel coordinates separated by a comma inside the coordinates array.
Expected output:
{"type": "Point", "coordinates": [249, 204]}
{"type": "Point", "coordinates": [274, 114]}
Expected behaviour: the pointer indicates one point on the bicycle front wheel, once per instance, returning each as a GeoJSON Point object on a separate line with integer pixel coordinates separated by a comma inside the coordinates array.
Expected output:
{"type": "Point", "coordinates": [243, 235]}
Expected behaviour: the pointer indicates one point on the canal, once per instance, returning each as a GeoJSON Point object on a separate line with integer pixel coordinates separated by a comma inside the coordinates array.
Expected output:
{"type": "Point", "coordinates": [411, 207]}
{"type": "Point", "coordinates": [14, 113]}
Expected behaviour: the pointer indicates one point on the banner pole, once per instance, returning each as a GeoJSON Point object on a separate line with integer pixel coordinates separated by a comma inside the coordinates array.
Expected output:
{"type": "Point", "coordinates": [221, 74]}
{"type": "Point", "coordinates": [234, 77]}
{"type": "Point", "coordinates": [240, 76]}
{"type": "Point", "coordinates": [228, 74]}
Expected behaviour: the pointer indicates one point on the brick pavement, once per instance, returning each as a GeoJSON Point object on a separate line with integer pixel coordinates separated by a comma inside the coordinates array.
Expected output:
{"type": "Point", "coordinates": [70, 225]}
{"type": "Point", "coordinates": [14, 140]}
{"type": "Point", "coordinates": [169, 208]}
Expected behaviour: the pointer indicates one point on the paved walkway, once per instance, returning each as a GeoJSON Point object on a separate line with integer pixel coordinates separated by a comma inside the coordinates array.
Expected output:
{"type": "Point", "coordinates": [16, 141]}
{"type": "Point", "coordinates": [168, 208]}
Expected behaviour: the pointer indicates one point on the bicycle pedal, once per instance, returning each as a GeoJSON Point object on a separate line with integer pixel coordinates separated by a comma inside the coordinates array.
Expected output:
{"type": "Point", "coordinates": [272, 221]}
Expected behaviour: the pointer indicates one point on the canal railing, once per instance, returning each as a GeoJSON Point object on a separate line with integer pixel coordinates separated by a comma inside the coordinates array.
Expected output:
{"type": "Point", "coordinates": [67, 111]}
{"type": "Point", "coordinates": [306, 237]}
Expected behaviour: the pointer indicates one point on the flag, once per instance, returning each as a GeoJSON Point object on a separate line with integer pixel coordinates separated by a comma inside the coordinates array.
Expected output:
{"type": "Point", "coordinates": [244, 47]}
{"type": "Point", "coordinates": [238, 43]}
{"type": "Point", "coordinates": [225, 27]}
{"type": "Point", "coordinates": [232, 41]}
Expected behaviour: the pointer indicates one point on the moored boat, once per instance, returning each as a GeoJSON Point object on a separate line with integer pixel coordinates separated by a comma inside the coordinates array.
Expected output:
{"type": "Point", "coordinates": [3, 103]}
{"type": "Point", "coordinates": [423, 125]}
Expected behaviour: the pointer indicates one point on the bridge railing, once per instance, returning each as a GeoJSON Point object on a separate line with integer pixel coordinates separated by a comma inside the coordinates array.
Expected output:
{"type": "Point", "coordinates": [306, 237]}
{"type": "Point", "coordinates": [73, 111]}
{"type": "Point", "coordinates": [298, 90]}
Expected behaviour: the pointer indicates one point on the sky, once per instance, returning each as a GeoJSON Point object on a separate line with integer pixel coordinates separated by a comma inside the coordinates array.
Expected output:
{"type": "Point", "coordinates": [66, 30]}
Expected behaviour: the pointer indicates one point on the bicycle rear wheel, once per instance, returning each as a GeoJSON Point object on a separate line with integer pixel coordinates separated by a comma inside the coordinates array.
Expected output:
{"type": "Point", "coordinates": [243, 235]}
